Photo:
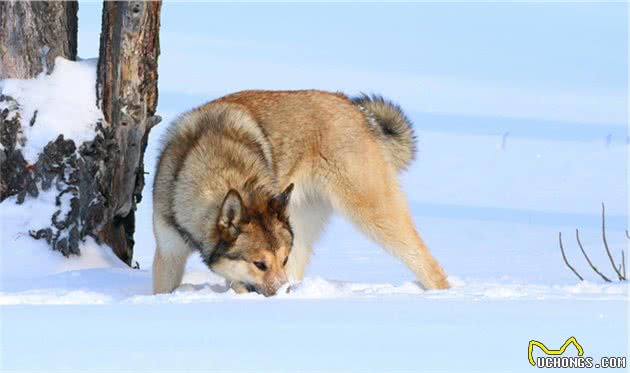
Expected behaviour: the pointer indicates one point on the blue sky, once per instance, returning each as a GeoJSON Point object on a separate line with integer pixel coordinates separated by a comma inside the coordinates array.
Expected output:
{"type": "Point", "coordinates": [543, 61]}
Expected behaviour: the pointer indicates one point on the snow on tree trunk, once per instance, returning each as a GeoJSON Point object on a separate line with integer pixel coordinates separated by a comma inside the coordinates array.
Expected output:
{"type": "Point", "coordinates": [33, 34]}
{"type": "Point", "coordinates": [127, 94]}
{"type": "Point", "coordinates": [96, 183]}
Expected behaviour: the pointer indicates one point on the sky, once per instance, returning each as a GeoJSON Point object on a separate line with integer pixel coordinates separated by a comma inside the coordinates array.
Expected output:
{"type": "Point", "coordinates": [561, 62]}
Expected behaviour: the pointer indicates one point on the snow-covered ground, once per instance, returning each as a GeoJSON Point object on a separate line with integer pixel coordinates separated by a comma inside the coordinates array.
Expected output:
{"type": "Point", "coordinates": [490, 191]}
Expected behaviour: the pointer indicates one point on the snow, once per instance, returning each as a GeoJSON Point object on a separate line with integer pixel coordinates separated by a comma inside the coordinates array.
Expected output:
{"type": "Point", "coordinates": [529, 174]}
{"type": "Point", "coordinates": [63, 102]}
{"type": "Point", "coordinates": [488, 193]}
{"type": "Point", "coordinates": [11, 106]}
{"type": "Point", "coordinates": [126, 286]}
{"type": "Point", "coordinates": [341, 335]}
{"type": "Point", "coordinates": [358, 308]}
{"type": "Point", "coordinates": [23, 257]}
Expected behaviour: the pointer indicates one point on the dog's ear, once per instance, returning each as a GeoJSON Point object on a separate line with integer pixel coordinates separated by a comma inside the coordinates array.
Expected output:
{"type": "Point", "coordinates": [231, 214]}
{"type": "Point", "coordinates": [280, 202]}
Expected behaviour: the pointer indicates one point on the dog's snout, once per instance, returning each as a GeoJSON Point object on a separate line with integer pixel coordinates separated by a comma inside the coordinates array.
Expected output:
{"type": "Point", "coordinates": [271, 287]}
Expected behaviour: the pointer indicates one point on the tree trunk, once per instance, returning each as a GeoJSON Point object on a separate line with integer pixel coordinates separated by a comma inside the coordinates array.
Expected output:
{"type": "Point", "coordinates": [33, 34]}
{"type": "Point", "coordinates": [127, 94]}
{"type": "Point", "coordinates": [98, 183]}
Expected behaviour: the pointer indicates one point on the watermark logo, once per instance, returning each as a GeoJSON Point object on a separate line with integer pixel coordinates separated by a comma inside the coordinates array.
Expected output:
{"type": "Point", "coordinates": [554, 358]}
{"type": "Point", "coordinates": [560, 351]}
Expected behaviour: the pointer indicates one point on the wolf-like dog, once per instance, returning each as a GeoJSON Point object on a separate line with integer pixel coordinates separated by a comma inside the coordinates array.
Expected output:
{"type": "Point", "coordinates": [250, 179]}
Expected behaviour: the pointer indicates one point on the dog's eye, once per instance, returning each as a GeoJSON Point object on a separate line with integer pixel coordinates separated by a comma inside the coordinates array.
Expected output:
{"type": "Point", "coordinates": [285, 261]}
{"type": "Point", "coordinates": [261, 265]}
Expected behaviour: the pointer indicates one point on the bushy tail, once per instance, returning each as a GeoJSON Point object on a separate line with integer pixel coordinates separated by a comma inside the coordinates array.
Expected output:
{"type": "Point", "coordinates": [392, 127]}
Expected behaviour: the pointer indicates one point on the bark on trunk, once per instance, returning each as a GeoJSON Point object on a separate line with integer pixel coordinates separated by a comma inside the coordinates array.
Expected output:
{"type": "Point", "coordinates": [33, 34]}
{"type": "Point", "coordinates": [127, 95]}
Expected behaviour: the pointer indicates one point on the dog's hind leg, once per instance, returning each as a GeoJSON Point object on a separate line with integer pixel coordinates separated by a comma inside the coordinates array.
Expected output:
{"type": "Point", "coordinates": [368, 193]}
{"type": "Point", "coordinates": [170, 258]}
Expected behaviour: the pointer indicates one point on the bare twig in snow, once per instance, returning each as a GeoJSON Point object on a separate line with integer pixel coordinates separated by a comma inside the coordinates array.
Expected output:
{"type": "Point", "coordinates": [612, 261]}
{"type": "Point", "coordinates": [623, 264]}
{"type": "Point", "coordinates": [620, 270]}
{"type": "Point", "coordinates": [564, 257]}
{"type": "Point", "coordinates": [577, 236]}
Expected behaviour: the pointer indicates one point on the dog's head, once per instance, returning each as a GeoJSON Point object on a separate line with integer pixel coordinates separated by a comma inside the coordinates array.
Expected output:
{"type": "Point", "coordinates": [254, 242]}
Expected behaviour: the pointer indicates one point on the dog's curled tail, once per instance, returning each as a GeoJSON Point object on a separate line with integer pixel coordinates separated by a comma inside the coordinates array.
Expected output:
{"type": "Point", "coordinates": [392, 127]}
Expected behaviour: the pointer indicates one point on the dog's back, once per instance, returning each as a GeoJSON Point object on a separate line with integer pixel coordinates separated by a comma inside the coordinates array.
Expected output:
{"type": "Point", "coordinates": [306, 125]}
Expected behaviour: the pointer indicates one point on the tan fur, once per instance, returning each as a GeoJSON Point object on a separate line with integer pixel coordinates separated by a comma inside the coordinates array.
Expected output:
{"type": "Point", "coordinates": [257, 143]}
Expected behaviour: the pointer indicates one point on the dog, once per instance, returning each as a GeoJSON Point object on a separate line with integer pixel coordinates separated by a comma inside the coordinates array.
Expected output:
{"type": "Point", "coordinates": [250, 179]}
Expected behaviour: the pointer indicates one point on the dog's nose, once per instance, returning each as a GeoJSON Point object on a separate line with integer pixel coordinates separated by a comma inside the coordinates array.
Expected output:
{"type": "Point", "coordinates": [268, 292]}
